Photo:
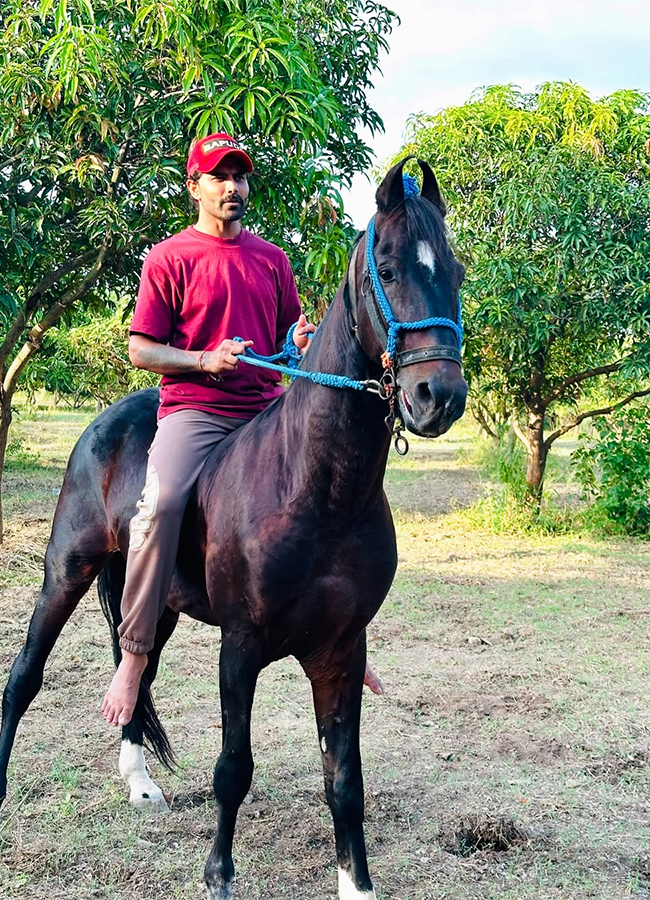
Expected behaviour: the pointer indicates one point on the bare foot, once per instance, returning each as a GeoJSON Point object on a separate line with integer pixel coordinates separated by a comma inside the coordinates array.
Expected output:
{"type": "Point", "coordinates": [122, 695]}
{"type": "Point", "coordinates": [373, 681]}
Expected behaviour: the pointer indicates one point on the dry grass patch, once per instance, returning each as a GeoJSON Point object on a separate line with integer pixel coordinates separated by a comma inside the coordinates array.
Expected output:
{"type": "Point", "coordinates": [475, 833]}
{"type": "Point", "coordinates": [516, 714]}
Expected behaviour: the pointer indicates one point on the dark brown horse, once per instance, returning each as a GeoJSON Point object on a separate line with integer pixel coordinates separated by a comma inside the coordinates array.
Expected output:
{"type": "Point", "coordinates": [287, 544]}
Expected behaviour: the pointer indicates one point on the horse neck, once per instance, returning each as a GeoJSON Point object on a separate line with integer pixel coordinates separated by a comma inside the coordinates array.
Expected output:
{"type": "Point", "coordinates": [342, 432]}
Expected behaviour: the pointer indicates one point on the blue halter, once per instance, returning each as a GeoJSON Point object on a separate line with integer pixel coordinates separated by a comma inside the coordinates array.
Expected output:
{"type": "Point", "coordinates": [393, 327]}
{"type": "Point", "coordinates": [386, 333]}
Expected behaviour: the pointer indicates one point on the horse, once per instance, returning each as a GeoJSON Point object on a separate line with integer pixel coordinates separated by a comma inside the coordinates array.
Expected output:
{"type": "Point", "coordinates": [287, 543]}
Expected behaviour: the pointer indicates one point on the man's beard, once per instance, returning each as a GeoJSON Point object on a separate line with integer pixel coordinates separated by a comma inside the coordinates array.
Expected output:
{"type": "Point", "coordinates": [234, 214]}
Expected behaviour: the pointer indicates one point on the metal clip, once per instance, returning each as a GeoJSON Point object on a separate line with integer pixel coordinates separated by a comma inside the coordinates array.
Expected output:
{"type": "Point", "coordinates": [401, 444]}
{"type": "Point", "coordinates": [388, 384]}
{"type": "Point", "coordinates": [395, 427]}
{"type": "Point", "coordinates": [374, 387]}
{"type": "Point", "coordinates": [384, 388]}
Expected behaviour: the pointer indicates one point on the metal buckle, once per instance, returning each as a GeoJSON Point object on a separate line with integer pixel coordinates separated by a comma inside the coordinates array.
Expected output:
{"type": "Point", "coordinates": [385, 387]}
{"type": "Point", "coordinates": [388, 383]}
{"type": "Point", "coordinates": [373, 387]}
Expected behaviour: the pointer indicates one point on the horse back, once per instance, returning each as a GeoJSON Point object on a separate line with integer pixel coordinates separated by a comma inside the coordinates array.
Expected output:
{"type": "Point", "coordinates": [106, 470]}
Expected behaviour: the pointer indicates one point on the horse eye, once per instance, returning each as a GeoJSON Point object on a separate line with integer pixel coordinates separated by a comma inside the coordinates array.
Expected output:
{"type": "Point", "coordinates": [386, 275]}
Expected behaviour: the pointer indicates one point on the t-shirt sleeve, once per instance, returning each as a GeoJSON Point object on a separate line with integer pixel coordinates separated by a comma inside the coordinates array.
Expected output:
{"type": "Point", "coordinates": [289, 302]}
{"type": "Point", "coordinates": [154, 308]}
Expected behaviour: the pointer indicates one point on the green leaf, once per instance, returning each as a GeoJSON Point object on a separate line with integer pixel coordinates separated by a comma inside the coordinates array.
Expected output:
{"type": "Point", "coordinates": [249, 109]}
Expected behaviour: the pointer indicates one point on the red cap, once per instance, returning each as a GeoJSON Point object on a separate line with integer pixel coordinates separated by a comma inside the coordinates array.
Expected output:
{"type": "Point", "coordinates": [207, 153]}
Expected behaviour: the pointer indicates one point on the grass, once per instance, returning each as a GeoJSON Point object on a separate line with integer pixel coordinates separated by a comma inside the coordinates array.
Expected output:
{"type": "Point", "coordinates": [516, 666]}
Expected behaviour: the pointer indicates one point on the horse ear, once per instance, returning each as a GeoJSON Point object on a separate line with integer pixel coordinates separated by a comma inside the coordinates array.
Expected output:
{"type": "Point", "coordinates": [430, 189]}
{"type": "Point", "coordinates": [390, 192]}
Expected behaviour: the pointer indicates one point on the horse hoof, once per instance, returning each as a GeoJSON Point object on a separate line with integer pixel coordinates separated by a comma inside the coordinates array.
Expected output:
{"type": "Point", "coordinates": [223, 892]}
{"type": "Point", "coordinates": [152, 802]}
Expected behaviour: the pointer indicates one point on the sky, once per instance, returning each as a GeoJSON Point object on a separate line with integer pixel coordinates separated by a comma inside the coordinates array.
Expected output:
{"type": "Point", "coordinates": [442, 51]}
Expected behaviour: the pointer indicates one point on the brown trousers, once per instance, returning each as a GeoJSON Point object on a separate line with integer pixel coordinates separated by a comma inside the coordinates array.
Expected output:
{"type": "Point", "coordinates": [179, 450]}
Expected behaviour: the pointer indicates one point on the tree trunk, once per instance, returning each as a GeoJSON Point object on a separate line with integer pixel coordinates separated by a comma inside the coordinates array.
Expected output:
{"type": "Point", "coordinates": [5, 422]}
{"type": "Point", "coordinates": [537, 453]}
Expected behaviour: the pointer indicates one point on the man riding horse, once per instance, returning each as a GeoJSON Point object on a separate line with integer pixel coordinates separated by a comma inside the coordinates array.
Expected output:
{"type": "Point", "coordinates": [199, 289]}
{"type": "Point", "coordinates": [287, 542]}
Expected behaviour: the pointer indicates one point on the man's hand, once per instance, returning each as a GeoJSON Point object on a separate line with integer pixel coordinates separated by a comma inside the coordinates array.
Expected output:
{"type": "Point", "coordinates": [146, 353]}
{"type": "Point", "coordinates": [301, 333]}
{"type": "Point", "coordinates": [224, 358]}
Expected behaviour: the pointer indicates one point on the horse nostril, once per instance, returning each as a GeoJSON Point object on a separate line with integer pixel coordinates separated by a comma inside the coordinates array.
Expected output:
{"type": "Point", "coordinates": [440, 392]}
{"type": "Point", "coordinates": [423, 397]}
{"type": "Point", "coordinates": [432, 393]}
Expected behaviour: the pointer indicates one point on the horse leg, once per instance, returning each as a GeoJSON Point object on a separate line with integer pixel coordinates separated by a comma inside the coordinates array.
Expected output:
{"type": "Point", "coordinates": [68, 575]}
{"type": "Point", "coordinates": [239, 666]}
{"type": "Point", "coordinates": [337, 702]}
{"type": "Point", "coordinates": [144, 793]}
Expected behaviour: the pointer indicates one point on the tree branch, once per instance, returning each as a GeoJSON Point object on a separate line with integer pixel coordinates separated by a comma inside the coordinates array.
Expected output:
{"type": "Point", "coordinates": [603, 411]}
{"type": "Point", "coordinates": [117, 168]}
{"type": "Point", "coordinates": [51, 317]}
{"type": "Point", "coordinates": [5, 163]}
{"type": "Point", "coordinates": [48, 281]}
{"type": "Point", "coordinates": [520, 434]}
{"type": "Point", "coordinates": [481, 418]}
{"type": "Point", "coordinates": [54, 313]}
{"type": "Point", "coordinates": [581, 376]}
{"type": "Point", "coordinates": [26, 199]}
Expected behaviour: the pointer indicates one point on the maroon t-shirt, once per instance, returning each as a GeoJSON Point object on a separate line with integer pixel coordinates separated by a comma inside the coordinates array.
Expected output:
{"type": "Point", "coordinates": [196, 291]}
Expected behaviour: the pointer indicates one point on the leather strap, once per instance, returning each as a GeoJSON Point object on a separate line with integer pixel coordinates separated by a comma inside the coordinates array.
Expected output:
{"type": "Point", "coordinates": [424, 354]}
{"type": "Point", "coordinates": [375, 315]}
{"type": "Point", "coordinates": [352, 283]}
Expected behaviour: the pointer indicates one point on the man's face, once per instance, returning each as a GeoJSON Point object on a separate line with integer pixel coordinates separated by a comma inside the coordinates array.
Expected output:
{"type": "Point", "coordinates": [222, 193]}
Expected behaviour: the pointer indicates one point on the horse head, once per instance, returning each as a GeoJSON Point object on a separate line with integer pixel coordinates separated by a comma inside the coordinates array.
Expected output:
{"type": "Point", "coordinates": [408, 307]}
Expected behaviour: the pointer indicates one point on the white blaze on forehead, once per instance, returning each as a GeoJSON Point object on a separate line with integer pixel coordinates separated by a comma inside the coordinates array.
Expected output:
{"type": "Point", "coordinates": [426, 257]}
{"type": "Point", "coordinates": [323, 745]}
{"type": "Point", "coordinates": [348, 891]}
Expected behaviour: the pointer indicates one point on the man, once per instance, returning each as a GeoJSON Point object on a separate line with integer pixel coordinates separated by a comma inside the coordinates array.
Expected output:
{"type": "Point", "coordinates": [199, 289]}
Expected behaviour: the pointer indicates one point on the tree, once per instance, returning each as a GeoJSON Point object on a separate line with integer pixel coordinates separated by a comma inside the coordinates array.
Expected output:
{"type": "Point", "coordinates": [98, 101]}
{"type": "Point", "coordinates": [550, 203]}
{"type": "Point", "coordinates": [87, 358]}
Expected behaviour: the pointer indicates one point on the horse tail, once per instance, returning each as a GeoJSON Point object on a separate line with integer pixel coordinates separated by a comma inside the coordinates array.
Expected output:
{"type": "Point", "coordinates": [145, 721]}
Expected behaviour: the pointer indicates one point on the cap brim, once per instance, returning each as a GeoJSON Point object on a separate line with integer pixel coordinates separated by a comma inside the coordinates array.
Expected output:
{"type": "Point", "coordinates": [213, 159]}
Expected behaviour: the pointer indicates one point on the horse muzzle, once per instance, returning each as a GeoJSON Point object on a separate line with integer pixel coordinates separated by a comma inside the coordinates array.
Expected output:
{"type": "Point", "coordinates": [431, 397]}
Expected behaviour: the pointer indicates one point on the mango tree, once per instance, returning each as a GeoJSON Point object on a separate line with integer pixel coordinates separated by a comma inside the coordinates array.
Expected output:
{"type": "Point", "coordinates": [98, 103]}
{"type": "Point", "coordinates": [549, 196]}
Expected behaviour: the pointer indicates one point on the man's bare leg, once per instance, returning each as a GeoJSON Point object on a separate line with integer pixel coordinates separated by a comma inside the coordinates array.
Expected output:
{"type": "Point", "coordinates": [373, 681]}
{"type": "Point", "coordinates": [122, 695]}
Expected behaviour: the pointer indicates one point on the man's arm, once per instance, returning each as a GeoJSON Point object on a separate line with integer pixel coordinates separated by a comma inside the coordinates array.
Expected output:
{"type": "Point", "coordinates": [145, 353]}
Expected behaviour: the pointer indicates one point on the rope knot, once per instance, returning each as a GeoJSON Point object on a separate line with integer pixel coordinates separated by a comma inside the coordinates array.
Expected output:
{"type": "Point", "coordinates": [411, 187]}
{"type": "Point", "coordinates": [289, 350]}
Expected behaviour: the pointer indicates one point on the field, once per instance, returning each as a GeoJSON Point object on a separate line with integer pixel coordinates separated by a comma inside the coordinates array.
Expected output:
{"type": "Point", "coordinates": [509, 758]}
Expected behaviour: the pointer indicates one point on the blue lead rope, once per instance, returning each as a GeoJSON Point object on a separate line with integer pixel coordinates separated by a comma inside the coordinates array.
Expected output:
{"type": "Point", "coordinates": [293, 356]}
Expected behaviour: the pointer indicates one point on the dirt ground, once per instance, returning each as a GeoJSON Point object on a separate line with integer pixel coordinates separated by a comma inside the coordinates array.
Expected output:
{"type": "Point", "coordinates": [509, 758]}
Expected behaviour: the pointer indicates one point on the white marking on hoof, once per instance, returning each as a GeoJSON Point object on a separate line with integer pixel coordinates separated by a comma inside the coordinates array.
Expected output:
{"type": "Point", "coordinates": [348, 891]}
{"type": "Point", "coordinates": [223, 892]}
{"type": "Point", "coordinates": [145, 794]}
{"type": "Point", "coordinates": [323, 745]}
{"type": "Point", "coordinates": [426, 257]}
